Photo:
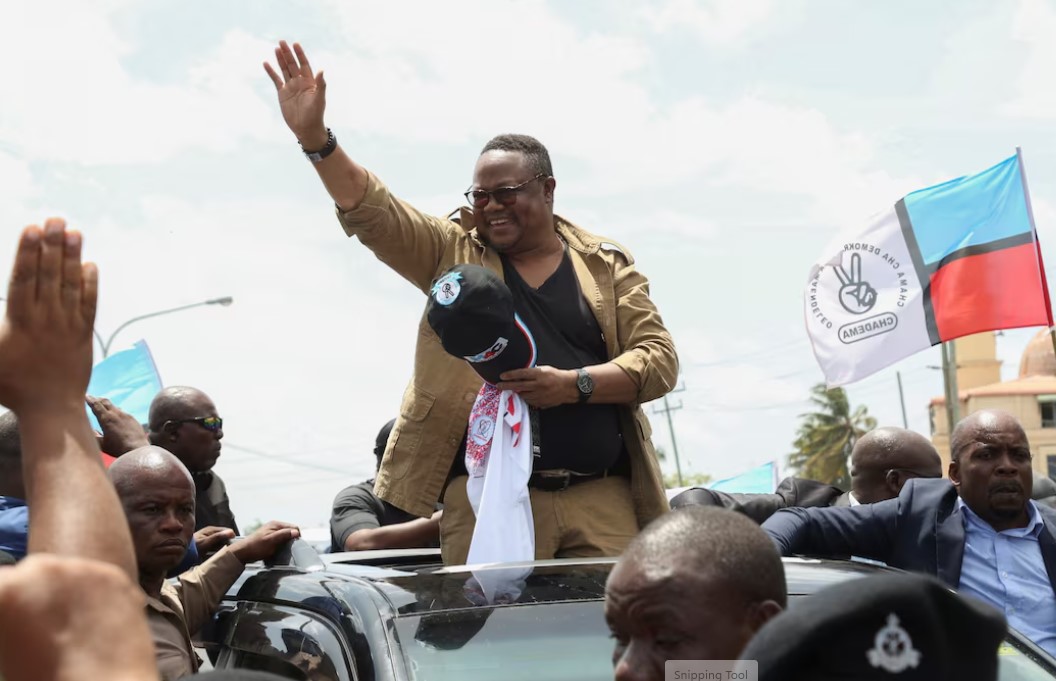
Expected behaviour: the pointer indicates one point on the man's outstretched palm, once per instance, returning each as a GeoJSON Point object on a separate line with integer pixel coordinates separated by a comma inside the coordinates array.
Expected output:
{"type": "Point", "coordinates": [302, 94]}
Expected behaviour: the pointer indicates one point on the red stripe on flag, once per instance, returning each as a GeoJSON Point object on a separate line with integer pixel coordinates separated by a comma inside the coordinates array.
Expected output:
{"type": "Point", "coordinates": [998, 290]}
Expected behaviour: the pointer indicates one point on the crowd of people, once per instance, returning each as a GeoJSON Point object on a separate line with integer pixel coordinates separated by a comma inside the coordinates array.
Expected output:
{"type": "Point", "coordinates": [520, 437]}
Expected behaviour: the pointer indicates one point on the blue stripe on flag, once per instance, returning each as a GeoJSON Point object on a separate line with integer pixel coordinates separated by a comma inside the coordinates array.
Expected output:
{"type": "Point", "coordinates": [970, 211]}
{"type": "Point", "coordinates": [758, 480]}
{"type": "Point", "coordinates": [129, 379]}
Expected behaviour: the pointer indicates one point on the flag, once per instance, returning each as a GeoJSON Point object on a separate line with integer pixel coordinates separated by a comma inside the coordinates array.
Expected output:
{"type": "Point", "coordinates": [944, 262]}
{"type": "Point", "coordinates": [758, 480]}
{"type": "Point", "coordinates": [129, 379]}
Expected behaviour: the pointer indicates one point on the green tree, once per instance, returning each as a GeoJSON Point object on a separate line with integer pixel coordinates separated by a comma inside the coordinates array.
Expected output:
{"type": "Point", "coordinates": [825, 438]}
{"type": "Point", "coordinates": [688, 479]}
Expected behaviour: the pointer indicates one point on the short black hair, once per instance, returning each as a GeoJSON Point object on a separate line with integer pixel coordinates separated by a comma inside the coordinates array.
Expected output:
{"type": "Point", "coordinates": [382, 440]}
{"type": "Point", "coordinates": [537, 155]}
{"type": "Point", "coordinates": [10, 441]}
{"type": "Point", "coordinates": [717, 543]}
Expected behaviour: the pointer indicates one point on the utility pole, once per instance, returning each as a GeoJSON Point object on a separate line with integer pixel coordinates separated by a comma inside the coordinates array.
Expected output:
{"type": "Point", "coordinates": [949, 371]}
{"type": "Point", "coordinates": [671, 429]}
{"type": "Point", "coordinates": [902, 400]}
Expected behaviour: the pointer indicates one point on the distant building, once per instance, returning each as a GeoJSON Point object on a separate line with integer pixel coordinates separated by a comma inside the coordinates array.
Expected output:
{"type": "Point", "coordinates": [1031, 397]}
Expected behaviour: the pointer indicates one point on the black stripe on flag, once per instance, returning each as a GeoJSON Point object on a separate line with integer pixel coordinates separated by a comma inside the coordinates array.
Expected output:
{"type": "Point", "coordinates": [979, 249]}
{"type": "Point", "coordinates": [923, 275]}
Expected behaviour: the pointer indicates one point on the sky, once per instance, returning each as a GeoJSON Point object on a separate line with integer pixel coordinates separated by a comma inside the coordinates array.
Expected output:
{"type": "Point", "coordinates": [725, 143]}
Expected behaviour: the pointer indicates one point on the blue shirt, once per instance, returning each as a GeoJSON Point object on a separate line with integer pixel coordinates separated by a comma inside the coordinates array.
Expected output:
{"type": "Point", "coordinates": [14, 526]}
{"type": "Point", "coordinates": [1006, 570]}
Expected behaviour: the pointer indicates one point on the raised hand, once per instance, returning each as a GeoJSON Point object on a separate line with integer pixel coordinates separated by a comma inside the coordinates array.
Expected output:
{"type": "Point", "coordinates": [46, 336]}
{"type": "Point", "coordinates": [121, 431]}
{"type": "Point", "coordinates": [302, 95]}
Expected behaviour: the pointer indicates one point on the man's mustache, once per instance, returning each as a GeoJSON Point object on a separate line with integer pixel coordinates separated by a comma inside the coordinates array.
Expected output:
{"type": "Point", "coordinates": [1003, 487]}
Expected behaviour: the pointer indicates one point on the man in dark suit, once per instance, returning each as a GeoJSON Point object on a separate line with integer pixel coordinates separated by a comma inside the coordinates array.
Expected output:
{"type": "Point", "coordinates": [979, 533]}
{"type": "Point", "coordinates": [881, 462]}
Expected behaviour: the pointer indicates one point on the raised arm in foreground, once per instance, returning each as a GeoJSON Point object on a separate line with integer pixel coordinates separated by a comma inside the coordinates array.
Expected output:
{"type": "Point", "coordinates": [61, 612]}
{"type": "Point", "coordinates": [302, 99]}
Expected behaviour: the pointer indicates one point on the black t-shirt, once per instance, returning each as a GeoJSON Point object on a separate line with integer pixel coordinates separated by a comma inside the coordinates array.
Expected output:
{"type": "Point", "coordinates": [356, 508]}
{"type": "Point", "coordinates": [581, 437]}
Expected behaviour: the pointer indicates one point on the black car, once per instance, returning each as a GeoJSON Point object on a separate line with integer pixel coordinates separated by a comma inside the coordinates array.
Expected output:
{"type": "Point", "coordinates": [396, 615]}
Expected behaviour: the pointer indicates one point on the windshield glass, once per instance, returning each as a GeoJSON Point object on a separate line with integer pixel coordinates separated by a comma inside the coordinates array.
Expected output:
{"type": "Point", "coordinates": [559, 641]}
{"type": "Point", "coordinates": [530, 642]}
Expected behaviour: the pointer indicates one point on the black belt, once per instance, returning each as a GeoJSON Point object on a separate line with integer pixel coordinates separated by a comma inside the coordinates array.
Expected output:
{"type": "Point", "coordinates": [559, 480]}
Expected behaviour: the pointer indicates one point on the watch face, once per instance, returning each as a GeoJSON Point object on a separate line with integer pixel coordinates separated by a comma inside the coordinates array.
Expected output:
{"type": "Point", "coordinates": [585, 383]}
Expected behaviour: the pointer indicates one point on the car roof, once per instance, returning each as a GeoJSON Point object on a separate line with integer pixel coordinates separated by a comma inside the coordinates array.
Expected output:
{"type": "Point", "coordinates": [414, 587]}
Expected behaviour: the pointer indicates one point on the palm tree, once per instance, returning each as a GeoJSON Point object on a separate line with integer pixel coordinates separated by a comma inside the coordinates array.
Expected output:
{"type": "Point", "coordinates": [826, 437]}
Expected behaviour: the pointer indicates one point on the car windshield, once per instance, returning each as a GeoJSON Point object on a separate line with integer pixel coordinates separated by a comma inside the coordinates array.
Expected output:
{"type": "Point", "coordinates": [531, 642]}
{"type": "Point", "coordinates": [560, 641]}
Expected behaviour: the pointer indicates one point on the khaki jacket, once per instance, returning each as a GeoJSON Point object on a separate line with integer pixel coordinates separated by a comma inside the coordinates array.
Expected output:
{"type": "Point", "coordinates": [183, 608]}
{"type": "Point", "coordinates": [437, 403]}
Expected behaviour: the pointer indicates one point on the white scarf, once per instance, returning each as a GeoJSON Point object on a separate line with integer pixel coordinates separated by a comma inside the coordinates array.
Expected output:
{"type": "Point", "coordinates": [499, 463]}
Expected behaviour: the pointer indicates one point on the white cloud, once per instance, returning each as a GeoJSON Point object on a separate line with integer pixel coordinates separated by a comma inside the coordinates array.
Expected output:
{"type": "Point", "coordinates": [80, 103]}
{"type": "Point", "coordinates": [305, 366]}
{"type": "Point", "coordinates": [1033, 26]}
{"type": "Point", "coordinates": [718, 22]}
{"type": "Point", "coordinates": [20, 188]}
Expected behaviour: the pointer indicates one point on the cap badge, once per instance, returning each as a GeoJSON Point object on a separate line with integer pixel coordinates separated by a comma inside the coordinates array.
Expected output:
{"type": "Point", "coordinates": [893, 649]}
{"type": "Point", "coordinates": [447, 288]}
{"type": "Point", "coordinates": [491, 353]}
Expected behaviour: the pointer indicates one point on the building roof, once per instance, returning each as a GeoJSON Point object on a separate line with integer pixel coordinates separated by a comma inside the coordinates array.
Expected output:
{"type": "Point", "coordinates": [1037, 373]}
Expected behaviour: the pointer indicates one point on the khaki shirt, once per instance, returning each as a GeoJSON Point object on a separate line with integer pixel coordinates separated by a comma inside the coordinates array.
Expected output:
{"type": "Point", "coordinates": [182, 608]}
{"type": "Point", "coordinates": [437, 403]}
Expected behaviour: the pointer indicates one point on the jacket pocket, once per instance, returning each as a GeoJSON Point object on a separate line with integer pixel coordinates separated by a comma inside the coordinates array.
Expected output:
{"type": "Point", "coordinates": [409, 431]}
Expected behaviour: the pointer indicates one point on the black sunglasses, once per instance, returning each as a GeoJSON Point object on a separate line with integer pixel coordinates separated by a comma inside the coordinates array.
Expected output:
{"type": "Point", "coordinates": [212, 423]}
{"type": "Point", "coordinates": [506, 196]}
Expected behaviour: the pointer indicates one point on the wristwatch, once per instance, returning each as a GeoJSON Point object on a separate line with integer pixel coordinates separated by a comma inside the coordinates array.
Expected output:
{"type": "Point", "coordinates": [585, 384]}
{"type": "Point", "coordinates": [328, 148]}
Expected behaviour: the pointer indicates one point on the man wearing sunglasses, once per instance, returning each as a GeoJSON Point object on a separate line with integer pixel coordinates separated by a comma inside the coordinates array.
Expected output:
{"type": "Point", "coordinates": [184, 421]}
{"type": "Point", "coordinates": [602, 347]}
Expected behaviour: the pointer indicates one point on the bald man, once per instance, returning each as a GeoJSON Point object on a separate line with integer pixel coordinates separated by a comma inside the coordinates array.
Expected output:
{"type": "Point", "coordinates": [885, 458]}
{"type": "Point", "coordinates": [185, 421]}
{"type": "Point", "coordinates": [979, 531]}
{"type": "Point", "coordinates": [157, 494]}
{"type": "Point", "coordinates": [695, 584]}
{"type": "Point", "coordinates": [881, 462]}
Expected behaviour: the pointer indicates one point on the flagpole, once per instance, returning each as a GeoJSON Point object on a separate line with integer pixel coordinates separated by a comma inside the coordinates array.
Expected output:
{"type": "Point", "coordinates": [949, 379]}
{"type": "Point", "coordinates": [1034, 228]}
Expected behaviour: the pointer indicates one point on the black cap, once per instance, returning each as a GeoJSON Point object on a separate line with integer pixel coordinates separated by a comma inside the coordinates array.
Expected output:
{"type": "Point", "coordinates": [888, 626]}
{"type": "Point", "coordinates": [471, 310]}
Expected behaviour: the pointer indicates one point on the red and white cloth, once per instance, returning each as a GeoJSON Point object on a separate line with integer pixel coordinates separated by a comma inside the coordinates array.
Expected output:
{"type": "Point", "coordinates": [499, 463]}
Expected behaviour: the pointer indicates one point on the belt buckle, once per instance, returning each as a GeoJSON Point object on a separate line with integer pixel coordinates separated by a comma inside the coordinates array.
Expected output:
{"type": "Point", "coordinates": [564, 477]}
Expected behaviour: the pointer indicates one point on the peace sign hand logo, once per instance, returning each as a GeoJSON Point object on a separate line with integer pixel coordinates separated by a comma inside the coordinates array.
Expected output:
{"type": "Point", "coordinates": [856, 295]}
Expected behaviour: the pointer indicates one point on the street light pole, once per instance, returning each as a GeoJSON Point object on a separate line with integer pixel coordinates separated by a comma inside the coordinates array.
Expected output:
{"type": "Point", "coordinates": [105, 345]}
{"type": "Point", "coordinates": [225, 301]}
